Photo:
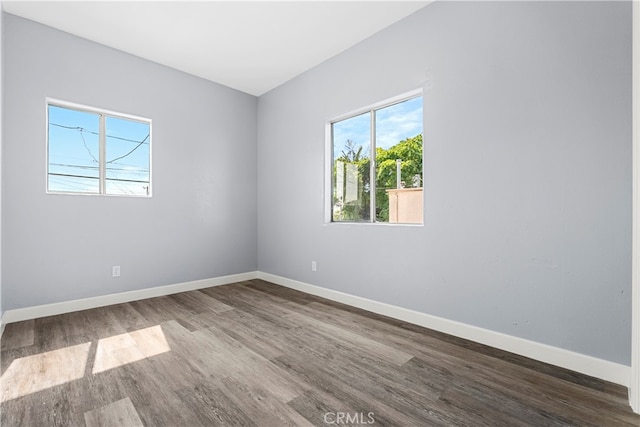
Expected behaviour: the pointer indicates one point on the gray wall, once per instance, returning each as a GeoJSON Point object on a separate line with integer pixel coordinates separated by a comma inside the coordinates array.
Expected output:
{"type": "Point", "coordinates": [201, 220]}
{"type": "Point", "coordinates": [527, 172]}
{"type": "Point", "coordinates": [1, 102]}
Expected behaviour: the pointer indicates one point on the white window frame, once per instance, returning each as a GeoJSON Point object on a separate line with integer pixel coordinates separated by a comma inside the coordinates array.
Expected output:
{"type": "Point", "coordinates": [102, 113]}
{"type": "Point", "coordinates": [328, 155]}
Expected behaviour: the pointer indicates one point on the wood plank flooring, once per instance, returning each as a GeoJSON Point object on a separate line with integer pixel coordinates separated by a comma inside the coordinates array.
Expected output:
{"type": "Point", "coordinates": [257, 354]}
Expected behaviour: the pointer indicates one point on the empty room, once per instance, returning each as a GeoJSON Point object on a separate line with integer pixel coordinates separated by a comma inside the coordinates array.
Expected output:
{"type": "Point", "coordinates": [320, 213]}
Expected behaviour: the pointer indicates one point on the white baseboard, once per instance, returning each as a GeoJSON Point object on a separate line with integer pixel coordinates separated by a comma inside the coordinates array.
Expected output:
{"type": "Point", "coordinates": [599, 368]}
{"type": "Point", "coordinates": [28, 313]}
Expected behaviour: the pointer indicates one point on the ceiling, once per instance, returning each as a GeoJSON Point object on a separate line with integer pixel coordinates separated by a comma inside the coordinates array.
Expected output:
{"type": "Point", "coordinates": [252, 46]}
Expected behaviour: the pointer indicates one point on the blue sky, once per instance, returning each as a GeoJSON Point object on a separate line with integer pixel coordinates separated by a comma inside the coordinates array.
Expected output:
{"type": "Point", "coordinates": [398, 122]}
{"type": "Point", "coordinates": [74, 150]}
{"type": "Point", "coordinates": [393, 124]}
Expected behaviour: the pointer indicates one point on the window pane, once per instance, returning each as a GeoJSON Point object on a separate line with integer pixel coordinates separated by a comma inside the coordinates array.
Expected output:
{"type": "Point", "coordinates": [351, 169]}
{"type": "Point", "coordinates": [127, 156]}
{"type": "Point", "coordinates": [73, 151]}
{"type": "Point", "coordinates": [399, 146]}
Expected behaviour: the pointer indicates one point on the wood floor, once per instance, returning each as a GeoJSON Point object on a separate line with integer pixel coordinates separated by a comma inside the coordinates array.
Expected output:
{"type": "Point", "coordinates": [258, 354]}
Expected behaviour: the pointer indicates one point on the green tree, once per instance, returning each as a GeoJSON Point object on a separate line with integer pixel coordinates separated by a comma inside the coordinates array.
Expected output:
{"type": "Point", "coordinates": [410, 152]}
{"type": "Point", "coordinates": [354, 210]}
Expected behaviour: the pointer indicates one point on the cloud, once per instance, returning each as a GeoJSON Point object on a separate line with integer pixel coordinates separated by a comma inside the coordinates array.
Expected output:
{"type": "Point", "coordinates": [393, 124]}
{"type": "Point", "coordinates": [398, 122]}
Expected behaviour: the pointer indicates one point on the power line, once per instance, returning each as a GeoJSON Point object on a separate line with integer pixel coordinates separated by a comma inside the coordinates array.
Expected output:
{"type": "Point", "coordinates": [70, 183]}
{"type": "Point", "coordinates": [81, 129]}
{"type": "Point", "coordinates": [85, 146]}
{"type": "Point", "coordinates": [134, 149]}
{"type": "Point", "coordinates": [103, 163]}
{"type": "Point", "coordinates": [95, 177]}
{"type": "Point", "coordinates": [96, 167]}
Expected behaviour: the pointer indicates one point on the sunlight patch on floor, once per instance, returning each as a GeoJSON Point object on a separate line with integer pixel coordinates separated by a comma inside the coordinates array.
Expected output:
{"type": "Point", "coordinates": [41, 371]}
{"type": "Point", "coordinates": [130, 347]}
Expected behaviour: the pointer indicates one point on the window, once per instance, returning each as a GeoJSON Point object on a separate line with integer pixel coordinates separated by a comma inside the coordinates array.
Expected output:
{"type": "Point", "coordinates": [383, 142]}
{"type": "Point", "coordinates": [94, 152]}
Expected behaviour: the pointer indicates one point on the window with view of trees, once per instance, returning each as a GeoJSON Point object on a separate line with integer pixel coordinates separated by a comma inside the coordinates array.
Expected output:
{"type": "Point", "coordinates": [377, 164]}
{"type": "Point", "coordinates": [93, 152]}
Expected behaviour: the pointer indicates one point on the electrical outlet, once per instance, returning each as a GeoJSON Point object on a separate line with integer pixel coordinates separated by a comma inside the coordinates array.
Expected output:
{"type": "Point", "coordinates": [314, 266]}
{"type": "Point", "coordinates": [115, 271]}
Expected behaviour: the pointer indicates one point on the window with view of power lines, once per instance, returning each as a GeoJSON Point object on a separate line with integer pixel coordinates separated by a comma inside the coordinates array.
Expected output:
{"type": "Point", "coordinates": [91, 151]}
